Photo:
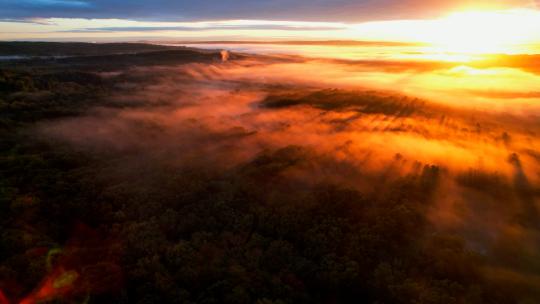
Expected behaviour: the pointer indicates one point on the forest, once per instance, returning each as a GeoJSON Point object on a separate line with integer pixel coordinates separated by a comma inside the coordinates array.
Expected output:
{"type": "Point", "coordinates": [148, 174]}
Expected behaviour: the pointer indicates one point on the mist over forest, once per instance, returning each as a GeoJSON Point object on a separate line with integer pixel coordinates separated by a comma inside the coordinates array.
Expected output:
{"type": "Point", "coordinates": [155, 174]}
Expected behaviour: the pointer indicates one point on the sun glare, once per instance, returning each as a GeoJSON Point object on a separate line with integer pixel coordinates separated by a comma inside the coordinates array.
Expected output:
{"type": "Point", "coordinates": [463, 35]}
{"type": "Point", "coordinates": [481, 32]}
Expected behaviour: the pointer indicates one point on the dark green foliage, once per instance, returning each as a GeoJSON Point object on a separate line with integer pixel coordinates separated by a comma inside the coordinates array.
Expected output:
{"type": "Point", "coordinates": [239, 238]}
{"type": "Point", "coordinates": [26, 97]}
{"type": "Point", "coordinates": [122, 61]}
{"type": "Point", "coordinates": [364, 102]}
{"type": "Point", "coordinates": [247, 234]}
{"type": "Point", "coordinates": [73, 49]}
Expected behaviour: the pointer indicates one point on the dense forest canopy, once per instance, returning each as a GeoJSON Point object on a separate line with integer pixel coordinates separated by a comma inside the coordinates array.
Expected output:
{"type": "Point", "coordinates": [142, 174]}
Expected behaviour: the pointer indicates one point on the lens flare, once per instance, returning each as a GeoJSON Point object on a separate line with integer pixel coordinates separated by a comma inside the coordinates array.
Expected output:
{"type": "Point", "coordinates": [59, 283]}
{"type": "Point", "coordinates": [3, 298]}
{"type": "Point", "coordinates": [84, 266]}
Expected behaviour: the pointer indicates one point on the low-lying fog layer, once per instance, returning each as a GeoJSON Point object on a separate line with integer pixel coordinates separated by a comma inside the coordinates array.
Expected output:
{"type": "Point", "coordinates": [270, 179]}
{"type": "Point", "coordinates": [502, 82]}
{"type": "Point", "coordinates": [486, 162]}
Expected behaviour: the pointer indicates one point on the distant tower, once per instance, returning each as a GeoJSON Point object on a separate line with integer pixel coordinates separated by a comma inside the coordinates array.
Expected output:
{"type": "Point", "coordinates": [225, 55]}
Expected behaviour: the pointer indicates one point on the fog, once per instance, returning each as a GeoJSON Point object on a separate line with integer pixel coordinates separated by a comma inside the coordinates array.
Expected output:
{"type": "Point", "coordinates": [355, 124]}
{"type": "Point", "coordinates": [153, 178]}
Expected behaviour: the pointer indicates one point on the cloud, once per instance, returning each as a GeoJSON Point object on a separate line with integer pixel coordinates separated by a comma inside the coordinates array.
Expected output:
{"type": "Point", "coordinates": [327, 10]}
{"type": "Point", "coordinates": [500, 94]}
{"type": "Point", "coordinates": [38, 21]}
{"type": "Point", "coordinates": [529, 63]}
{"type": "Point", "coordinates": [50, 3]}
{"type": "Point", "coordinates": [204, 28]}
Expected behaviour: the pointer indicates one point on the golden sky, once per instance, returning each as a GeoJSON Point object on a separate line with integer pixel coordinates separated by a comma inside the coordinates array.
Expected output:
{"type": "Point", "coordinates": [473, 27]}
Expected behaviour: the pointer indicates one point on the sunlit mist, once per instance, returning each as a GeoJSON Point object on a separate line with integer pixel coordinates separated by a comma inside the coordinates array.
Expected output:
{"type": "Point", "coordinates": [270, 152]}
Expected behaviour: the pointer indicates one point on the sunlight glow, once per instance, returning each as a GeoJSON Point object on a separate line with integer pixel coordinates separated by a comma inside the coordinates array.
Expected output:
{"type": "Point", "coordinates": [458, 37]}
{"type": "Point", "coordinates": [485, 32]}
{"type": "Point", "coordinates": [469, 32]}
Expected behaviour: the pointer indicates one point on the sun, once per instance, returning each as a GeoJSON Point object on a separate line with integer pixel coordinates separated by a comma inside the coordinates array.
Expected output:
{"type": "Point", "coordinates": [484, 32]}
{"type": "Point", "coordinates": [463, 34]}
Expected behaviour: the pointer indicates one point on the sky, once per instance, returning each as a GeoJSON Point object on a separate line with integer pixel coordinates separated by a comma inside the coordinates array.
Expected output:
{"type": "Point", "coordinates": [387, 20]}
